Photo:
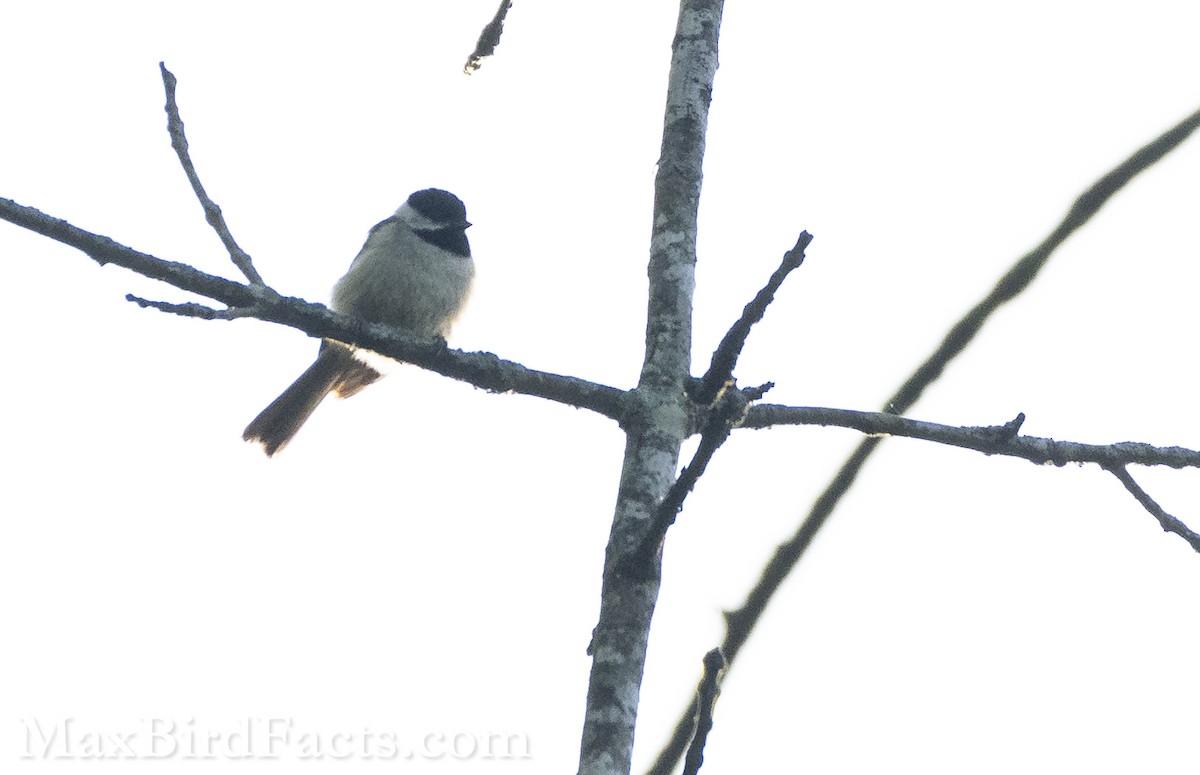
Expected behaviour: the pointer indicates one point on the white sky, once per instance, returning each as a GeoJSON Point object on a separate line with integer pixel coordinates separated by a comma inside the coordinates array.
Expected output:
{"type": "Point", "coordinates": [425, 559]}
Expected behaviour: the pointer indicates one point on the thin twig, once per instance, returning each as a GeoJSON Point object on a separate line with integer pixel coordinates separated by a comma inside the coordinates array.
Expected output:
{"type": "Point", "coordinates": [489, 38]}
{"type": "Point", "coordinates": [1169, 523]}
{"type": "Point", "coordinates": [212, 212]}
{"type": "Point", "coordinates": [187, 309]}
{"type": "Point", "coordinates": [741, 622]}
{"type": "Point", "coordinates": [725, 357]}
{"type": "Point", "coordinates": [706, 701]}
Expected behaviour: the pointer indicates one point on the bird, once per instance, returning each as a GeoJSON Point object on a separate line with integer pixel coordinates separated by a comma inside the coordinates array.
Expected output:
{"type": "Point", "coordinates": [414, 272]}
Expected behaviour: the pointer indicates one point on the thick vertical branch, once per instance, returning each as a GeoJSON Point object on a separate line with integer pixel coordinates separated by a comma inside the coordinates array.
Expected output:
{"type": "Point", "coordinates": [656, 430]}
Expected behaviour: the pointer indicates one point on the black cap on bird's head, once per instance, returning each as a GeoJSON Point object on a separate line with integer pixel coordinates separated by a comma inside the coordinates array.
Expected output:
{"type": "Point", "coordinates": [439, 218]}
{"type": "Point", "coordinates": [440, 206]}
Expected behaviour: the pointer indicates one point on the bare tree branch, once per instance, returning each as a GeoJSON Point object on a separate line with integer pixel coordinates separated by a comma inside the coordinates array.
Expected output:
{"type": "Point", "coordinates": [489, 38]}
{"type": "Point", "coordinates": [706, 701]}
{"type": "Point", "coordinates": [656, 428]}
{"type": "Point", "coordinates": [988, 439]}
{"type": "Point", "coordinates": [741, 622]}
{"type": "Point", "coordinates": [491, 373]}
{"type": "Point", "coordinates": [483, 370]}
{"type": "Point", "coordinates": [1169, 523]}
{"type": "Point", "coordinates": [1018, 278]}
{"type": "Point", "coordinates": [725, 357]}
{"type": "Point", "coordinates": [212, 211]}
{"type": "Point", "coordinates": [187, 310]}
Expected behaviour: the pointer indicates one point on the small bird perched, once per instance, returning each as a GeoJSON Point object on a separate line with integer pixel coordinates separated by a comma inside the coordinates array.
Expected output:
{"type": "Point", "coordinates": [414, 272]}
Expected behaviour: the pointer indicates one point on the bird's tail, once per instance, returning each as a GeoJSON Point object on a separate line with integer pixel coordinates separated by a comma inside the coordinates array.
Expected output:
{"type": "Point", "coordinates": [335, 370]}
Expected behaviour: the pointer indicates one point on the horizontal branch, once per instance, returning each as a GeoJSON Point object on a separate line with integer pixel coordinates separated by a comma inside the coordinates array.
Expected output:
{"type": "Point", "coordinates": [187, 309]}
{"type": "Point", "coordinates": [991, 440]}
{"type": "Point", "coordinates": [484, 370]}
{"type": "Point", "coordinates": [495, 374]}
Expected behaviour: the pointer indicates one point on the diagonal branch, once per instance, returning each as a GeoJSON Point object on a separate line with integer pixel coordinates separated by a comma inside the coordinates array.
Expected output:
{"type": "Point", "coordinates": [483, 370]}
{"type": "Point", "coordinates": [212, 211]}
{"type": "Point", "coordinates": [489, 38]}
{"type": "Point", "coordinates": [740, 623]}
{"type": "Point", "coordinates": [1018, 278]}
{"type": "Point", "coordinates": [1169, 523]}
{"type": "Point", "coordinates": [725, 357]}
